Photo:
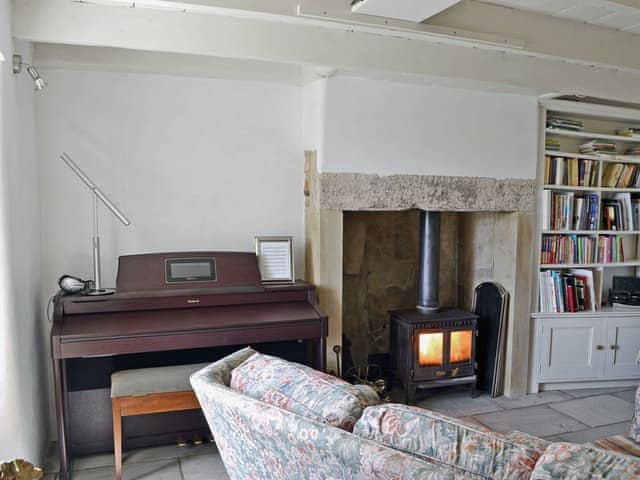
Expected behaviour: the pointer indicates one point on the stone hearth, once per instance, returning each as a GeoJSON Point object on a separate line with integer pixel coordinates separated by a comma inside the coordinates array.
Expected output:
{"type": "Point", "coordinates": [362, 250]}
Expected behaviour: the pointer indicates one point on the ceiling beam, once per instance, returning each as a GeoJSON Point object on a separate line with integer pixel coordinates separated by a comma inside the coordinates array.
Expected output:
{"type": "Point", "coordinates": [64, 22]}
{"type": "Point", "coordinates": [628, 3]}
{"type": "Point", "coordinates": [546, 35]}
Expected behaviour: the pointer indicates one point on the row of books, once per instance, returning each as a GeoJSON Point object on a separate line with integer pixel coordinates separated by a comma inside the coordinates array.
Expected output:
{"type": "Point", "coordinates": [567, 291]}
{"type": "Point", "coordinates": [570, 171]}
{"type": "Point", "coordinates": [564, 123]}
{"type": "Point", "coordinates": [573, 124]}
{"type": "Point", "coordinates": [610, 249]}
{"type": "Point", "coordinates": [582, 249]}
{"type": "Point", "coordinates": [569, 211]}
{"type": "Point", "coordinates": [598, 146]}
{"type": "Point", "coordinates": [621, 212]}
{"type": "Point", "coordinates": [621, 175]}
{"type": "Point", "coordinates": [557, 249]}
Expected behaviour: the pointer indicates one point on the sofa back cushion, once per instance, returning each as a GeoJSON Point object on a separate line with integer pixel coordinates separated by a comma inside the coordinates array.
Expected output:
{"type": "Point", "coordinates": [584, 462]}
{"type": "Point", "coordinates": [302, 390]}
{"type": "Point", "coordinates": [439, 438]}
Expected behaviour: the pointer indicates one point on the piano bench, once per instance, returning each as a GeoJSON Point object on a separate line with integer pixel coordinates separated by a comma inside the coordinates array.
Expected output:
{"type": "Point", "coordinates": [149, 390]}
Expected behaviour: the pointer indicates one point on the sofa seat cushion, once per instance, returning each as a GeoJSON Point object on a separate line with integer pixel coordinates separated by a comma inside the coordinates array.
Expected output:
{"type": "Point", "coordinates": [303, 390]}
{"type": "Point", "coordinates": [571, 461]}
{"type": "Point", "coordinates": [433, 436]}
{"type": "Point", "coordinates": [524, 439]}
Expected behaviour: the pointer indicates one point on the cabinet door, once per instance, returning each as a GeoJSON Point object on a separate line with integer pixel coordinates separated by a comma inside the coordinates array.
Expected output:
{"type": "Point", "coordinates": [571, 349]}
{"type": "Point", "coordinates": [623, 347]}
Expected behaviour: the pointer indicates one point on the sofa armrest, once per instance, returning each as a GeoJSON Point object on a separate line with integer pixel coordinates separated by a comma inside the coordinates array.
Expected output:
{"type": "Point", "coordinates": [220, 371]}
{"type": "Point", "coordinates": [576, 462]}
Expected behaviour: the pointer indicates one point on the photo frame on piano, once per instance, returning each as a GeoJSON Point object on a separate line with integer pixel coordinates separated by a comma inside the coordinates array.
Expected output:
{"type": "Point", "coordinates": [275, 259]}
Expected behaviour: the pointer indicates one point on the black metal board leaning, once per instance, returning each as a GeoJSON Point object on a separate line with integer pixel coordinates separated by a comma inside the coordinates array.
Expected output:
{"type": "Point", "coordinates": [491, 303]}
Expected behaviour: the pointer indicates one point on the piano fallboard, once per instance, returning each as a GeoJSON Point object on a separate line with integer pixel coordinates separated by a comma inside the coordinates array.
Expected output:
{"type": "Point", "coordinates": [188, 299]}
{"type": "Point", "coordinates": [116, 333]}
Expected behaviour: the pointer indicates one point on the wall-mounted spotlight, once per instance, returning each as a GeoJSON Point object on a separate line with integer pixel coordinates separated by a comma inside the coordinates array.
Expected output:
{"type": "Point", "coordinates": [18, 65]}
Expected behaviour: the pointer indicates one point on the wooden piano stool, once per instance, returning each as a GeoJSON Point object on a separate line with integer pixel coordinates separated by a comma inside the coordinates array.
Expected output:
{"type": "Point", "coordinates": [149, 390]}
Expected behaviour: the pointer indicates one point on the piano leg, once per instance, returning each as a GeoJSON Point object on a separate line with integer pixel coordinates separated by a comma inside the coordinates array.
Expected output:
{"type": "Point", "coordinates": [59, 383]}
{"type": "Point", "coordinates": [322, 354]}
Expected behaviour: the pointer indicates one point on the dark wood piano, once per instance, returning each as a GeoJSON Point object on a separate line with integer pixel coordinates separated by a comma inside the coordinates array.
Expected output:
{"type": "Point", "coordinates": [169, 309]}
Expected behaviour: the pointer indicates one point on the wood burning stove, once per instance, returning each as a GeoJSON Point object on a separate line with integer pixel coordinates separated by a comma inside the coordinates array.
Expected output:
{"type": "Point", "coordinates": [432, 347]}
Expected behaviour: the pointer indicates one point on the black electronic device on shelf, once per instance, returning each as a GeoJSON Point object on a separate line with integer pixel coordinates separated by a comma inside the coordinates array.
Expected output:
{"type": "Point", "coordinates": [625, 291]}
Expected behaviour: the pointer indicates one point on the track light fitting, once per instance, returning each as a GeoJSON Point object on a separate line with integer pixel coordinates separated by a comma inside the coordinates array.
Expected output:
{"type": "Point", "coordinates": [19, 65]}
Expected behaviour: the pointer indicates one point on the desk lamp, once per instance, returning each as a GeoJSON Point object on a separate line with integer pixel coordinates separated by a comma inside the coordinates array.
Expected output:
{"type": "Point", "coordinates": [97, 195]}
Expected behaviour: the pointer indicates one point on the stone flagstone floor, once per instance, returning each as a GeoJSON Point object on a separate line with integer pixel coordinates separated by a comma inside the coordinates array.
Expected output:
{"type": "Point", "coordinates": [579, 416]}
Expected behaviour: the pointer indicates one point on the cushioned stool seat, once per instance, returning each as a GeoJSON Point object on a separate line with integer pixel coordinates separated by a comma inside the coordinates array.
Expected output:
{"type": "Point", "coordinates": [149, 390]}
{"type": "Point", "coordinates": [144, 381]}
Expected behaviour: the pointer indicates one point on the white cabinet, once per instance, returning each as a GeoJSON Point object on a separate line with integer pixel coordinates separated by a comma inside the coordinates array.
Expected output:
{"type": "Point", "coordinates": [587, 347]}
{"type": "Point", "coordinates": [623, 347]}
{"type": "Point", "coordinates": [569, 348]}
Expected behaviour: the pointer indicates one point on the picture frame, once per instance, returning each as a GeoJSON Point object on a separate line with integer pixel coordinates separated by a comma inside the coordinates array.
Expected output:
{"type": "Point", "coordinates": [275, 259]}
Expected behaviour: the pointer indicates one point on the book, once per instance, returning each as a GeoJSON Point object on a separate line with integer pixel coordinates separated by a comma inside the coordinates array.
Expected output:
{"type": "Point", "coordinates": [624, 200]}
{"type": "Point", "coordinates": [552, 144]}
{"type": "Point", "coordinates": [598, 146]}
{"type": "Point", "coordinates": [629, 132]}
{"type": "Point", "coordinates": [617, 212]}
{"type": "Point", "coordinates": [564, 123]}
{"type": "Point", "coordinates": [589, 294]}
{"type": "Point", "coordinates": [635, 209]}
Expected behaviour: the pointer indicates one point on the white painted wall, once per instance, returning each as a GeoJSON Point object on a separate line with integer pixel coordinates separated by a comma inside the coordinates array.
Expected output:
{"type": "Point", "coordinates": [382, 127]}
{"type": "Point", "coordinates": [22, 338]}
{"type": "Point", "coordinates": [195, 163]}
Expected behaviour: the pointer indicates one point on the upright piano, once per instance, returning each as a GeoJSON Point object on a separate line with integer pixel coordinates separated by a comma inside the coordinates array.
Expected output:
{"type": "Point", "coordinates": [170, 308]}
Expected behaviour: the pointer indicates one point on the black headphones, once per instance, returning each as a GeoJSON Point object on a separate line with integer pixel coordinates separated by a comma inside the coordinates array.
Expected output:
{"type": "Point", "coordinates": [71, 284]}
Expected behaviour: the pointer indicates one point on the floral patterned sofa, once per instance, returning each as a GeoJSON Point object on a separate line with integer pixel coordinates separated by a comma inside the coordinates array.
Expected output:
{"type": "Point", "coordinates": [277, 420]}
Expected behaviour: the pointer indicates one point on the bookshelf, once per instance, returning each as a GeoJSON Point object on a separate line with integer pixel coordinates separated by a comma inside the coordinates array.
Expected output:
{"type": "Point", "coordinates": [588, 232]}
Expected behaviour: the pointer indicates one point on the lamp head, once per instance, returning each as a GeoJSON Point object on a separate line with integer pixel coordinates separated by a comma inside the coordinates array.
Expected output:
{"type": "Point", "coordinates": [18, 65]}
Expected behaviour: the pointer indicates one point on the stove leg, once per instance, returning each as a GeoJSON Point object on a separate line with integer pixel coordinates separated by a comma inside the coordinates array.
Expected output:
{"type": "Point", "coordinates": [474, 392]}
{"type": "Point", "coordinates": [409, 394]}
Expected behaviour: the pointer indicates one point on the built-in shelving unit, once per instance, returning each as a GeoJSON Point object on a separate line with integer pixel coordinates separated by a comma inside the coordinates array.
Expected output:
{"type": "Point", "coordinates": [589, 232]}
{"type": "Point", "coordinates": [565, 195]}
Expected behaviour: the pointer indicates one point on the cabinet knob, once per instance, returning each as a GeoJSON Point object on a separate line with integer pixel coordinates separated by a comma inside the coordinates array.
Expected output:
{"type": "Point", "coordinates": [599, 347]}
{"type": "Point", "coordinates": [613, 347]}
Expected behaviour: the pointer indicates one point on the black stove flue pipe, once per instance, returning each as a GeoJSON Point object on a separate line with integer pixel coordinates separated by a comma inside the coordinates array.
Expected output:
{"type": "Point", "coordinates": [429, 266]}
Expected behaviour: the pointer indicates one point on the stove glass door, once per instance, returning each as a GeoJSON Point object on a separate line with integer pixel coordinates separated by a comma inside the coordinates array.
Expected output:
{"type": "Point", "coordinates": [461, 346]}
{"type": "Point", "coordinates": [431, 349]}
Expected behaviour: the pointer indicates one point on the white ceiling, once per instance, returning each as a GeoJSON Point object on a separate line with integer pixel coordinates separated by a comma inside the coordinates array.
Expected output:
{"type": "Point", "coordinates": [410, 10]}
{"type": "Point", "coordinates": [615, 14]}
